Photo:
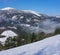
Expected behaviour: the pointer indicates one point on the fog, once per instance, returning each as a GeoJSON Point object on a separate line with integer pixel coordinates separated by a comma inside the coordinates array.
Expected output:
{"type": "Point", "coordinates": [47, 26]}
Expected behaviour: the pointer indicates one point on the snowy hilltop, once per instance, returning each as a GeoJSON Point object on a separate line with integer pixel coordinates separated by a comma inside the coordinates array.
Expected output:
{"type": "Point", "coordinates": [48, 46]}
{"type": "Point", "coordinates": [7, 8]}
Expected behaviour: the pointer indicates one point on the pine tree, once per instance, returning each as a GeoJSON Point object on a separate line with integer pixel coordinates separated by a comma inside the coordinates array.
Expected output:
{"type": "Point", "coordinates": [40, 36]}
{"type": "Point", "coordinates": [57, 31]}
{"type": "Point", "coordinates": [33, 37]}
{"type": "Point", "coordinates": [8, 43]}
{"type": "Point", "coordinates": [19, 40]}
{"type": "Point", "coordinates": [14, 41]}
{"type": "Point", "coordinates": [1, 46]}
{"type": "Point", "coordinates": [27, 38]}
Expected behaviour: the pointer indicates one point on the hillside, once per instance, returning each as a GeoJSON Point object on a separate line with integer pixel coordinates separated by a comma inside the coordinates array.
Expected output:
{"type": "Point", "coordinates": [27, 21]}
{"type": "Point", "coordinates": [48, 46]}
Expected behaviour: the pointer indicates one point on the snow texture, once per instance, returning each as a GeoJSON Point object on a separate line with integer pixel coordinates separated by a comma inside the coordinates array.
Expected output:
{"type": "Point", "coordinates": [7, 8]}
{"type": "Point", "coordinates": [30, 11]}
{"type": "Point", "coordinates": [7, 33]}
{"type": "Point", "coordinates": [48, 46]}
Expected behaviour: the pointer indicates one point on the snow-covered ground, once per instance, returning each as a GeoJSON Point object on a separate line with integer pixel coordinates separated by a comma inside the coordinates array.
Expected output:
{"type": "Point", "coordinates": [7, 33]}
{"type": "Point", "coordinates": [7, 8]}
{"type": "Point", "coordinates": [30, 11]}
{"type": "Point", "coordinates": [48, 46]}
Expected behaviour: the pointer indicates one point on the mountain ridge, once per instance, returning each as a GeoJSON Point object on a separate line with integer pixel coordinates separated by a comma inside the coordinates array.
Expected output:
{"type": "Point", "coordinates": [30, 21]}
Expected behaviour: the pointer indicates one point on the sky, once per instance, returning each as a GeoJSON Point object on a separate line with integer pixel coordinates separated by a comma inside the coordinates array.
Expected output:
{"type": "Point", "coordinates": [49, 7]}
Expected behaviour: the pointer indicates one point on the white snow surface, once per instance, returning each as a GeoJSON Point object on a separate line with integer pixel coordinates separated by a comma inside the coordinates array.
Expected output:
{"type": "Point", "coordinates": [31, 11]}
{"type": "Point", "coordinates": [48, 46]}
{"type": "Point", "coordinates": [27, 25]}
{"type": "Point", "coordinates": [7, 8]}
{"type": "Point", "coordinates": [27, 11]}
{"type": "Point", "coordinates": [7, 33]}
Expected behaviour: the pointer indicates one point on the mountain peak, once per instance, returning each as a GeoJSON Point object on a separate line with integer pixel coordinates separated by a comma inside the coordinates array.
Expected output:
{"type": "Point", "coordinates": [7, 8]}
{"type": "Point", "coordinates": [31, 11]}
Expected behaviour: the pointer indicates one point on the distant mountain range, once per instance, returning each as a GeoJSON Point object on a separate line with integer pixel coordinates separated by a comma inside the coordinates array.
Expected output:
{"type": "Point", "coordinates": [27, 20]}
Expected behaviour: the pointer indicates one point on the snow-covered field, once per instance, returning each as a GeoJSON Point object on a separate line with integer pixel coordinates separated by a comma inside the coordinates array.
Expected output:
{"type": "Point", "coordinates": [48, 46]}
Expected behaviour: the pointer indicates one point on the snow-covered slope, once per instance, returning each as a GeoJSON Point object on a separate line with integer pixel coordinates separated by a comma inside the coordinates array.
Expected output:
{"type": "Point", "coordinates": [48, 46]}
{"type": "Point", "coordinates": [7, 33]}
{"type": "Point", "coordinates": [7, 8]}
{"type": "Point", "coordinates": [33, 12]}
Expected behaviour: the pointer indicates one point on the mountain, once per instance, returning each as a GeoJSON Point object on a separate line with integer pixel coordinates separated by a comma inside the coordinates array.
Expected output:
{"type": "Point", "coordinates": [7, 8]}
{"type": "Point", "coordinates": [28, 20]}
{"type": "Point", "coordinates": [48, 46]}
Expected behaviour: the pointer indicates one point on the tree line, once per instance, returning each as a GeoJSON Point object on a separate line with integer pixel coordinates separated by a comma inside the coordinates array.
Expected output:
{"type": "Point", "coordinates": [25, 39]}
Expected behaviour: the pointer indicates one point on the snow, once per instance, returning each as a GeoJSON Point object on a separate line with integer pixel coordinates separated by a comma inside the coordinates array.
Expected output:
{"type": "Point", "coordinates": [7, 33]}
{"type": "Point", "coordinates": [27, 11]}
{"type": "Point", "coordinates": [30, 11]}
{"type": "Point", "coordinates": [7, 8]}
{"type": "Point", "coordinates": [2, 40]}
{"type": "Point", "coordinates": [14, 17]}
{"type": "Point", "coordinates": [2, 27]}
{"type": "Point", "coordinates": [58, 16]}
{"type": "Point", "coordinates": [36, 20]}
{"type": "Point", "coordinates": [12, 27]}
{"type": "Point", "coordinates": [26, 25]}
{"type": "Point", "coordinates": [28, 20]}
{"type": "Point", "coordinates": [21, 17]}
{"type": "Point", "coordinates": [48, 46]}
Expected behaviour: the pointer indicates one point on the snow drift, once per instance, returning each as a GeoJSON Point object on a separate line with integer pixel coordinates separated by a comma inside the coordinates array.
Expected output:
{"type": "Point", "coordinates": [48, 46]}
